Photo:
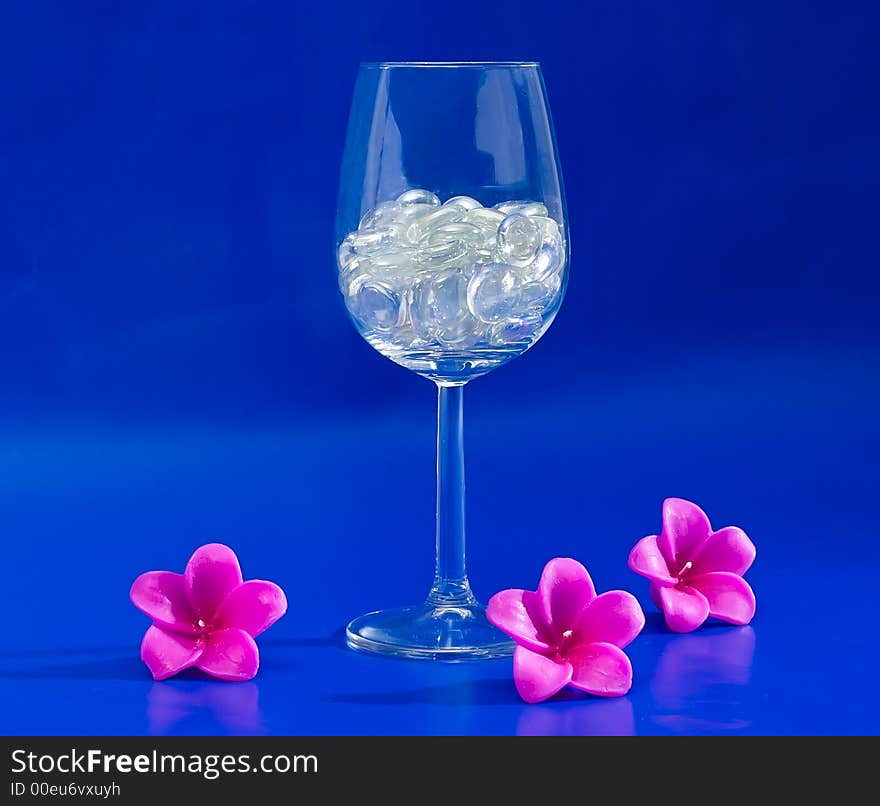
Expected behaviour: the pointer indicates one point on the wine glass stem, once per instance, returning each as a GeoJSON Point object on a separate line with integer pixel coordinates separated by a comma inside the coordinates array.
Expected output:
{"type": "Point", "coordinates": [451, 586]}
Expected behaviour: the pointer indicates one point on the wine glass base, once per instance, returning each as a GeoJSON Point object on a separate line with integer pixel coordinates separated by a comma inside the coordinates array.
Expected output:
{"type": "Point", "coordinates": [432, 632]}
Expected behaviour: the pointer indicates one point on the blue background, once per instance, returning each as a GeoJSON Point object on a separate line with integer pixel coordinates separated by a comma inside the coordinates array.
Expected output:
{"type": "Point", "coordinates": [177, 366]}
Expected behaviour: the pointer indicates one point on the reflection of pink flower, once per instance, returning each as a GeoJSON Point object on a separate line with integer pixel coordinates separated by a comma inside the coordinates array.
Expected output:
{"type": "Point", "coordinates": [175, 707]}
{"type": "Point", "coordinates": [695, 572]}
{"type": "Point", "coordinates": [206, 617]}
{"type": "Point", "coordinates": [567, 635]}
{"type": "Point", "coordinates": [694, 677]}
{"type": "Point", "coordinates": [599, 718]}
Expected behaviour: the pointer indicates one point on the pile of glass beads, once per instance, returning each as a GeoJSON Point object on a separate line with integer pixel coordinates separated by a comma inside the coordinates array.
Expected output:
{"type": "Point", "coordinates": [452, 276]}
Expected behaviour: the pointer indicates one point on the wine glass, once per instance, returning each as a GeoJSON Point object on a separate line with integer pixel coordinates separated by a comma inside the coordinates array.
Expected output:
{"type": "Point", "coordinates": [452, 256]}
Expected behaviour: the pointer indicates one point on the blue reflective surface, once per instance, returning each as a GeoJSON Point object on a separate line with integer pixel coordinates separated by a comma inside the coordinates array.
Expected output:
{"type": "Point", "coordinates": [177, 367]}
{"type": "Point", "coordinates": [341, 514]}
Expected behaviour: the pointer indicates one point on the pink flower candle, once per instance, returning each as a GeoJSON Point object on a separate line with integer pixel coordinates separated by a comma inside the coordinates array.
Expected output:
{"type": "Point", "coordinates": [696, 572]}
{"type": "Point", "coordinates": [566, 635]}
{"type": "Point", "coordinates": [206, 617]}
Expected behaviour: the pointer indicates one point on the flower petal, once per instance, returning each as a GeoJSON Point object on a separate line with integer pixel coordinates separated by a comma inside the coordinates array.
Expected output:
{"type": "Point", "coordinates": [564, 591]}
{"type": "Point", "coordinates": [167, 653]}
{"type": "Point", "coordinates": [515, 612]}
{"type": "Point", "coordinates": [211, 574]}
{"type": "Point", "coordinates": [685, 526]}
{"type": "Point", "coordinates": [730, 597]}
{"type": "Point", "coordinates": [230, 654]}
{"type": "Point", "coordinates": [728, 549]}
{"type": "Point", "coordinates": [601, 669]}
{"type": "Point", "coordinates": [162, 596]}
{"type": "Point", "coordinates": [538, 677]}
{"type": "Point", "coordinates": [253, 606]}
{"type": "Point", "coordinates": [647, 559]}
{"type": "Point", "coordinates": [685, 608]}
{"type": "Point", "coordinates": [614, 617]}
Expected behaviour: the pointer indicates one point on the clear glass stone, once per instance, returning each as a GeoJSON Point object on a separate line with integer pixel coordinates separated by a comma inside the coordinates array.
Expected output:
{"type": "Point", "coordinates": [547, 262]}
{"type": "Point", "coordinates": [529, 208]}
{"type": "Point", "coordinates": [536, 296]}
{"type": "Point", "coordinates": [514, 331]}
{"type": "Point", "coordinates": [372, 240]}
{"type": "Point", "coordinates": [534, 209]}
{"type": "Point", "coordinates": [493, 292]}
{"type": "Point", "coordinates": [484, 217]}
{"type": "Point", "coordinates": [350, 275]}
{"type": "Point", "coordinates": [457, 230]}
{"type": "Point", "coordinates": [346, 252]}
{"type": "Point", "coordinates": [439, 302]}
{"type": "Point", "coordinates": [486, 254]}
{"type": "Point", "coordinates": [462, 335]}
{"type": "Point", "coordinates": [418, 196]}
{"type": "Point", "coordinates": [406, 214]}
{"type": "Point", "coordinates": [519, 239]}
{"type": "Point", "coordinates": [551, 254]}
{"type": "Point", "coordinates": [423, 225]}
{"type": "Point", "coordinates": [549, 227]}
{"type": "Point", "coordinates": [376, 306]}
{"type": "Point", "coordinates": [465, 202]}
{"type": "Point", "coordinates": [397, 267]}
{"type": "Point", "coordinates": [406, 338]}
{"type": "Point", "coordinates": [441, 254]}
{"type": "Point", "coordinates": [487, 220]}
{"type": "Point", "coordinates": [380, 215]}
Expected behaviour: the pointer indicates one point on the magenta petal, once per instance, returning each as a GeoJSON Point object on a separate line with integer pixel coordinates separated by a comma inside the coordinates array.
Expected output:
{"type": "Point", "coordinates": [512, 612]}
{"type": "Point", "coordinates": [230, 654]}
{"type": "Point", "coordinates": [728, 549]}
{"type": "Point", "coordinates": [601, 669]}
{"type": "Point", "coordinates": [211, 573]}
{"type": "Point", "coordinates": [564, 591]}
{"type": "Point", "coordinates": [253, 606]}
{"type": "Point", "coordinates": [538, 677]}
{"type": "Point", "coordinates": [614, 617]}
{"type": "Point", "coordinates": [162, 596]}
{"type": "Point", "coordinates": [685, 526]}
{"type": "Point", "coordinates": [647, 559]}
{"type": "Point", "coordinates": [167, 653]}
{"type": "Point", "coordinates": [685, 608]}
{"type": "Point", "coordinates": [730, 597]}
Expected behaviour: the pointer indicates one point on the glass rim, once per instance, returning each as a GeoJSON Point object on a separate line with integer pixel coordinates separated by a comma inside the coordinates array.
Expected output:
{"type": "Point", "coordinates": [394, 65]}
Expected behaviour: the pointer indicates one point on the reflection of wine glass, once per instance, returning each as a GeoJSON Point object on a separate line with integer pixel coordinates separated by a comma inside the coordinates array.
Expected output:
{"type": "Point", "coordinates": [452, 252]}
